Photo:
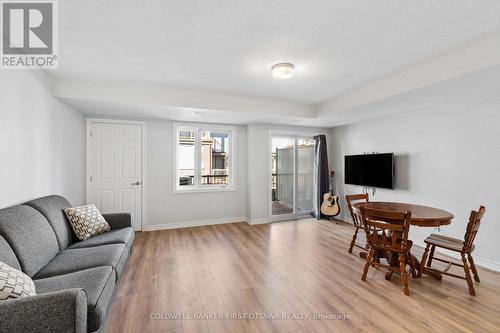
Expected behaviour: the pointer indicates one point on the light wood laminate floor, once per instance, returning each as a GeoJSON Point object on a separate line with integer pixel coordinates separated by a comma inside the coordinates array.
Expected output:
{"type": "Point", "coordinates": [293, 269]}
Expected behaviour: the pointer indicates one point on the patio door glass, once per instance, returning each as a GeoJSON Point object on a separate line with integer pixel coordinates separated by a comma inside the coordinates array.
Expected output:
{"type": "Point", "coordinates": [292, 175]}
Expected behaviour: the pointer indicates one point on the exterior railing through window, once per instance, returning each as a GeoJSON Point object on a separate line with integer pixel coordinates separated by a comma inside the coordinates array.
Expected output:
{"type": "Point", "coordinates": [214, 179]}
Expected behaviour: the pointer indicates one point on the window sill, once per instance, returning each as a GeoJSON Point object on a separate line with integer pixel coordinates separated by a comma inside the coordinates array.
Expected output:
{"type": "Point", "coordinates": [205, 190]}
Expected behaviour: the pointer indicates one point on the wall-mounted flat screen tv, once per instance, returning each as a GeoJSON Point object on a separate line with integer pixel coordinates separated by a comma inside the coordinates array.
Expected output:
{"type": "Point", "coordinates": [371, 170]}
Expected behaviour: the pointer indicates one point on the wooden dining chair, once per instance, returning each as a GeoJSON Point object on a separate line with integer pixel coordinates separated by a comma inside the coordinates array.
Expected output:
{"type": "Point", "coordinates": [387, 231]}
{"type": "Point", "coordinates": [464, 247]}
{"type": "Point", "coordinates": [356, 218]}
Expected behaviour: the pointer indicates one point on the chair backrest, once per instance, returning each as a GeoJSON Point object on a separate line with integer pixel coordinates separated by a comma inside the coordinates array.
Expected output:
{"type": "Point", "coordinates": [387, 230]}
{"type": "Point", "coordinates": [351, 200]}
{"type": "Point", "coordinates": [473, 228]}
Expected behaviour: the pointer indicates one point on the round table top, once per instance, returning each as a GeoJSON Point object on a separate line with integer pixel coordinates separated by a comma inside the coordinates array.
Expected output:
{"type": "Point", "coordinates": [422, 216]}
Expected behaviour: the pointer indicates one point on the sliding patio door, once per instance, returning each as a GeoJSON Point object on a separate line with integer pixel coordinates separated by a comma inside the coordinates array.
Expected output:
{"type": "Point", "coordinates": [292, 175]}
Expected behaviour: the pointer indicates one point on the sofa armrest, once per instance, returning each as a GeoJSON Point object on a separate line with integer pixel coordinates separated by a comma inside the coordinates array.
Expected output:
{"type": "Point", "coordinates": [59, 311]}
{"type": "Point", "coordinates": [118, 220]}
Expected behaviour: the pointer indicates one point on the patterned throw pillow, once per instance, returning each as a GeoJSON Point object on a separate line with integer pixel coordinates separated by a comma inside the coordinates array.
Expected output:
{"type": "Point", "coordinates": [86, 221]}
{"type": "Point", "coordinates": [14, 283]}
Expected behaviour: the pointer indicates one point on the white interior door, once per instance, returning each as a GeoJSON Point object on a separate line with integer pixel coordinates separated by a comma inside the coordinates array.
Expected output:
{"type": "Point", "coordinates": [116, 169]}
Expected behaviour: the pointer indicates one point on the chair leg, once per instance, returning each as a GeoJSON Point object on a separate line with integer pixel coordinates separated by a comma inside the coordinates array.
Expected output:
{"type": "Point", "coordinates": [467, 276]}
{"type": "Point", "coordinates": [368, 263]}
{"type": "Point", "coordinates": [473, 268]}
{"type": "Point", "coordinates": [431, 256]}
{"type": "Point", "coordinates": [375, 255]}
{"type": "Point", "coordinates": [353, 241]}
{"type": "Point", "coordinates": [411, 262]}
{"type": "Point", "coordinates": [424, 259]}
{"type": "Point", "coordinates": [404, 274]}
{"type": "Point", "coordinates": [415, 267]}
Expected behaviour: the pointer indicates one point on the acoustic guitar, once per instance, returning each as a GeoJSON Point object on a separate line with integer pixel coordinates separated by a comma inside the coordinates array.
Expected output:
{"type": "Point", "coordinates": [330, 206]}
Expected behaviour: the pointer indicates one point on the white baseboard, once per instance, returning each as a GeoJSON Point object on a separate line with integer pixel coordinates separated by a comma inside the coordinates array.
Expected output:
{"type": "Point", "coordinates": [344, 218]}
{"type": "Point", "coordinates": [187, 224]}
{"type": "Point", "coordinates": [481, 262]}
{"type": "Point", "coordinates": [488, 264]}
{"type": "Point", "coordinates": [265, 220]}
{"type": "Point", "coordinates": [257, 221]}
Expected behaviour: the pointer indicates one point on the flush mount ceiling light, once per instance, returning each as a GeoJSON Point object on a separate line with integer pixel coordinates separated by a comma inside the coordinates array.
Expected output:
{"type": "Point", "coordinates": [282, 70]}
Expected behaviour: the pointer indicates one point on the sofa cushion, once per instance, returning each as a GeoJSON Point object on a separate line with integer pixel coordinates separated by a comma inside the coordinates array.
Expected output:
{"type": "Point", "coordinates": [118, 220]}
{"type": "Point", "coordinates": [118, 236]}
{"type": "Point", "coordinates": [7, 255]}
{"type": "Point", "coordinates": [86, 221]}
{"type": "Point", "coordinates": [14, 283]}
{"type": "Point", "coordinates": [72, 260]}
{"type": "Point", "coordinates": [97, 282]}
{"type": "Point", "coordinates": [52, 208]}
{"type": "Point", "coordinates": [30, 235]}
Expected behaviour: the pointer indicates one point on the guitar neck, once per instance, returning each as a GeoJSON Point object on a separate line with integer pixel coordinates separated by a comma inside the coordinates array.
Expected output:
{"type": "Point", "coordinates": [332, 182]}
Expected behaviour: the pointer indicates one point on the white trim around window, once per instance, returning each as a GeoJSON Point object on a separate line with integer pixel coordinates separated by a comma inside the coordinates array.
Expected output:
{"type": "Point", "coordinates": [196, 184]}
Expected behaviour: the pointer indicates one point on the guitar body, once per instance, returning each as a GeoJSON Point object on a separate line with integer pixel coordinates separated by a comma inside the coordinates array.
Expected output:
{"type": "Point", "coordinates": [330, 205]}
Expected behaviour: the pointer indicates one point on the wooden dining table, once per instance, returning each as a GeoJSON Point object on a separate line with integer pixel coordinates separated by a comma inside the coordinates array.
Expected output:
{"type": "Point", "coordinates": [421, 216]}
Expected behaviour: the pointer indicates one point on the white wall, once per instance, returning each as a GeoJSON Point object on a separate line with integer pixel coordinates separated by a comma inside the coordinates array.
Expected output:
{"type": "Point", "coordinates": [258, 167]}
{"type": "Point", "coordinates": [447, 157]}
{"type": "Point", "coordinates": [41, 141]}
{"type": "Point", "coordinates": [249, 201]}
{"type": "Point", "coordinates": [166, 209]}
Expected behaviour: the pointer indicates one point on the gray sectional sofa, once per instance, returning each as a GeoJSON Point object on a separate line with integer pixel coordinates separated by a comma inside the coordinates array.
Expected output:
{"type": "Point", "coordinates": [74, 280]}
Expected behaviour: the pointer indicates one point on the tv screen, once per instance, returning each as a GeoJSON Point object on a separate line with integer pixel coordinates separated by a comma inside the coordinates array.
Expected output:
{"type": "Point", "coordinates": [373, 170]}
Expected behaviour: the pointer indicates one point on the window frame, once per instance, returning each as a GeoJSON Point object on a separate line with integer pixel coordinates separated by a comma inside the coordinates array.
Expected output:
{"type": "Point", "coordinates": [197, 187]}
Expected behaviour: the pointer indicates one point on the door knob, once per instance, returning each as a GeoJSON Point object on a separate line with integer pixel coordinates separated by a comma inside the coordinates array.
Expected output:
{"type": "Point", "coordinates": [137, 183]}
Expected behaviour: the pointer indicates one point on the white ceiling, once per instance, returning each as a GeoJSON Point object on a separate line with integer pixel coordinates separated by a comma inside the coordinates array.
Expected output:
{"type": "Point", "coordinates": [125, 110]}
{"type": "Point", "coordinates": [229, 46]}
{"type": "Point", "coordinates": [480, 85]}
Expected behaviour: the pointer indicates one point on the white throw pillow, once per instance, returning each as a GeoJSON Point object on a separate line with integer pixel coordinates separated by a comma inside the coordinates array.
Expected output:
{"type": "Point", "coordinates": [14, 283]}
{"type": "Point", "coordinates": [86, 221]}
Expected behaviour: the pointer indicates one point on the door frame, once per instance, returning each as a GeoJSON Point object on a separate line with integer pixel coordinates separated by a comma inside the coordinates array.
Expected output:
{"type": "Point", "coordinates": [295, 135]}
{"type": "Point", "coordinates": [88, 159]}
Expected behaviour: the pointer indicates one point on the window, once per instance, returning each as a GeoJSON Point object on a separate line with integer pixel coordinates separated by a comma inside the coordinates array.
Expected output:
{"type": "Point", "coordinates": [203, 158]}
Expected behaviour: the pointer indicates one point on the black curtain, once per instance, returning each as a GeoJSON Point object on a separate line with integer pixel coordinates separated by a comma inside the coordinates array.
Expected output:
{"type": "Point", "coordinates": [321, 173]}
